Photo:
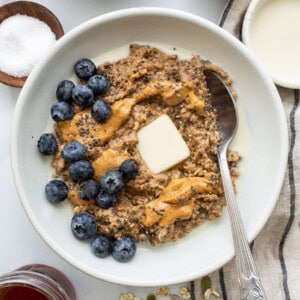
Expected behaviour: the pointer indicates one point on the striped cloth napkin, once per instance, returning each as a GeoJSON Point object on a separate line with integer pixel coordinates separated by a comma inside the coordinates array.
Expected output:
{"type": "Point", "coordinates": [276, 249]}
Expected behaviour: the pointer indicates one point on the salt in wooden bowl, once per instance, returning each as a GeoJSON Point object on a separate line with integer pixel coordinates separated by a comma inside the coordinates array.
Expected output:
{"type": "Point", "coordinates": [34, 10]}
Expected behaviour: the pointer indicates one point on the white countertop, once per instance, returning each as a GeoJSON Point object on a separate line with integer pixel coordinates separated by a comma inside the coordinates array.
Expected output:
{"type": "Point", "coordinates": [20, 244]}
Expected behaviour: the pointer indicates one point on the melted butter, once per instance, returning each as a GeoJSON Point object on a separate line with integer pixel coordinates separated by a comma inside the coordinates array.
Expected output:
{"type": "Point", "coordinates": [109, 159]}
{"type": "Point", "coordinates": [174, 201]}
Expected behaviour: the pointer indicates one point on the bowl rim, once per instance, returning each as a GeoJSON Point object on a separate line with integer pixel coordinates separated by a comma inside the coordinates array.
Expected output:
{"type": "Point", "coordinates": [252, 10]}
{"type": "Point", "coordinates": [131, 12]}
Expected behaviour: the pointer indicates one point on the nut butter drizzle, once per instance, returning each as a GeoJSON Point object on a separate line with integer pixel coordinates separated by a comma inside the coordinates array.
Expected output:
{"type": "Point", "coordinates": [174, 202]}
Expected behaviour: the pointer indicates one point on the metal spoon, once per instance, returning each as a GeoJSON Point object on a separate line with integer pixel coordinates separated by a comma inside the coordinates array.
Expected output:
{"type": "Point", "coordinates": [227, 122]}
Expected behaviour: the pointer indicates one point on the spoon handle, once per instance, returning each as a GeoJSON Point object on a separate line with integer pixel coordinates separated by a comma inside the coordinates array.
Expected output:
{"type": "Point", "coordinates": [251, 287]}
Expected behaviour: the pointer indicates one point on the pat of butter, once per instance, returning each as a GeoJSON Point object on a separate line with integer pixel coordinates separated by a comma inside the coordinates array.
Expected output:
{"type": "Point", "coordinates": [160, 145]}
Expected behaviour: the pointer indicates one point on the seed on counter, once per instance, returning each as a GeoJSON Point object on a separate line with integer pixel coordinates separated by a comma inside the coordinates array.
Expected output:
{"type": "Point", "coordinates": [163, 291]}
{"type": "Point", "coordinates": [185, 293]}
{"type": "Point", "coordinates": [127, 296]}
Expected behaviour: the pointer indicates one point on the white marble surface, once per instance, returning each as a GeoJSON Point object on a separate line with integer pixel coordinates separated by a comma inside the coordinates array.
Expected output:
{"type": "Point", "coordinates": [20, 244]}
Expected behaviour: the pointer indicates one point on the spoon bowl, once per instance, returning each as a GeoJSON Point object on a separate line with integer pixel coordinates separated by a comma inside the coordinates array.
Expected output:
{"type": "Point", "coordinates": [227, 122]}
{"type": "Point", "coordinates": [222, 101]}
{"type": "Point", "coordinates": [34, 10]}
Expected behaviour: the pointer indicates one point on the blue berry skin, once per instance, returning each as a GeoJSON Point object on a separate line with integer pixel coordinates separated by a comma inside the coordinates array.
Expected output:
{"type": "Point", "coordinates": [124, 249]}
{"type": "Point", "coordinates": [83, 95]}
{"type": "Point", "coordinates": [101, 111]}
{"type": "Point", "coordinates": [105, 200]}
{"type": "Point", "coordinates": [85, 68]}
{"type": "Point", "coordinates": [64, 91]}
{"type": "Point", "coordinates": [129, 168]}
{"type": "Point", "coordinates": [83, 226]}
{"type": "Point", "coordinates": [81, 170]}
{"type": "Point", "coordinates": [61, 111]}
{"type": "Point", "coordinates": [73, 151]}
{"type": "Point", "coordinates": [112, 181]}
{"type": "Point", "coordinates": [47, 144]}
{"type": "Point", "coordinates": [99, 84]}
{"type": "Point", "coordinates": [88, 190]}
{"type": "Point", "coordinates": [101, 246]}
{"type": "Point", "coordinates": [56, 191]}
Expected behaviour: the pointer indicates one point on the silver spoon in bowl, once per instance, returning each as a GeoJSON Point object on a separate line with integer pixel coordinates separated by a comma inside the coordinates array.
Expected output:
{"type": "Point", "coordinates": [227, 122]}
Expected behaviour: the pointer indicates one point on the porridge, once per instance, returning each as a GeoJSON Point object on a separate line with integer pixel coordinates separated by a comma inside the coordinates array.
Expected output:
{"type": "Point", "coordinates": [150, 208]}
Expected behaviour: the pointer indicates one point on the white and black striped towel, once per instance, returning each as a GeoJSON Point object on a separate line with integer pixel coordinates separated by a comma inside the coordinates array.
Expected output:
{"type": "Point", "coordinates": [276, 250]}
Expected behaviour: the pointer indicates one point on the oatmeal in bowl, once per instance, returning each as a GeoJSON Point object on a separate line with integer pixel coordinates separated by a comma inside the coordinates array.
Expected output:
{"type": "Point", "coordinates": [139, 155]}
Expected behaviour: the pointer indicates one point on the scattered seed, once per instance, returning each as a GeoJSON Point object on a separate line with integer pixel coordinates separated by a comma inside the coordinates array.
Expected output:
{"type": "Point", "coordinates": [126, 296]}
{"type": "Point", "coordinates": [151, 297]}
{"type": "Point", "coordinates": [163, 291]}
{"type": "Point", "coordinates": [205, 284]}
{"type": "Point", "coordinates": [185, 293]}
{"type": "Point", "coordinates": [174, 297]}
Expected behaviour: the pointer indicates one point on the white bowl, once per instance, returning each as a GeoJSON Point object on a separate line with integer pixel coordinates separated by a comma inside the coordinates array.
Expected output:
{"type": "Point", "coordinates": [262, 141]}
{"type": "Point", "coordinates": [270, 30]}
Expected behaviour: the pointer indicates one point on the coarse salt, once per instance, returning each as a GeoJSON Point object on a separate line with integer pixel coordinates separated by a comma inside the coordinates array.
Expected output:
{"type": "Point", "coordinates": [23, 41]}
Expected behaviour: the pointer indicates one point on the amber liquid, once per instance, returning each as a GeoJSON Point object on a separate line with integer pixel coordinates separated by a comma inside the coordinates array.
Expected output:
{"type": "Point", "coordinates": [35, 287]}
{"type": "Point", "coordinates": [21, 293]}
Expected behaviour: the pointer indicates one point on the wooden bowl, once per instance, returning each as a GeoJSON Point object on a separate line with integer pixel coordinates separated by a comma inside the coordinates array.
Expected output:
{"type": "Point", "coordinates": [31, 9]}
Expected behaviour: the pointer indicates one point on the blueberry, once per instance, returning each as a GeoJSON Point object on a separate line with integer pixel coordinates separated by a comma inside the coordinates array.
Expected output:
{"type": "Point", "coordinates": [64, 91]}
{"type": "Point", "coordinates": [61, 111]}
{"type": "Point", "coordinates": [101, 246]}
{"type": "Point", "coordinates": [99, 84]}
{"type": "Point", "coordinates": [129, 168]}
{"type": "Point", "coordinates": [47, 144]}
{"type": "Point", "coordinates": [105, 200]}
{"type": "Point", "coordinates": [85, 68]}
{"type": "Point", "coordinates": [83, 226]}
{"type": "Point", "coordinates": [124, 249]}
{"type": "Point", "coordinates": [81, 170]}
{"type": "Point", "coordinates": [83, 95]}
{"type": "Point", "coordinates": [56, 191]}
{"type": "Point", "coordinates": [73, 151]}
{"type": "Point", "coordinates": [88, 189]}
{"type": "Point", "coordinates": [101, 110]}
{"type": "Point", "coordinates": [112, 181]}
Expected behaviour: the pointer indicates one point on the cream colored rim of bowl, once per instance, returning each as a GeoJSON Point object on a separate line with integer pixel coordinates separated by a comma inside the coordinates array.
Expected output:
{"type": "Point", "coordinates": [42, 64]}
{"type": "Point", "coordinates": [253, 8]}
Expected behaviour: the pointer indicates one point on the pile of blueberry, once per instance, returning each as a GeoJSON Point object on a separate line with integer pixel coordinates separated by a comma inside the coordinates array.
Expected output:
{"type": "Point", "coordinates": [105, 192]}
{"type": "Point", "coordinates": [83, 95]}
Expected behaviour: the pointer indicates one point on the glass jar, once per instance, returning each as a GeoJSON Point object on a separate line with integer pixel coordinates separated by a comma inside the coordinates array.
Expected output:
{"type": "Point", "coordinates": [36, 282]}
